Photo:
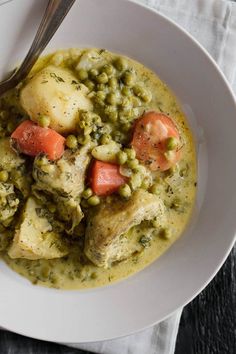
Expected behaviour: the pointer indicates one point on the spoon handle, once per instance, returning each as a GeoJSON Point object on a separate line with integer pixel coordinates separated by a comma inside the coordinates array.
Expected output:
{"type": "Point", "coordinates": [54, 14]}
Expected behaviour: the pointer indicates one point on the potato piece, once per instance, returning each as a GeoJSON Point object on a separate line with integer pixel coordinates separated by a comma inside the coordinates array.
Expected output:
{"type": "Point", "coordinates": [91, 59]}
{"type": "Point", "coordinates": [34, 238]}
{"type": "Point", "coordinates": [56, 93]}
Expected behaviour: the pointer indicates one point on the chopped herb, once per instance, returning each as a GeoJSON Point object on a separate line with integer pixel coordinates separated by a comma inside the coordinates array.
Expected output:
{"type": "Point", "coordinates": [145, 241]}
{"type": "Point", "coordinates": [57, 78]}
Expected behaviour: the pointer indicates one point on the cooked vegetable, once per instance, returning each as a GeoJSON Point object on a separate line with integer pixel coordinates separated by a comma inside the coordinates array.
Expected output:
{"type": "Point", "coordinates": [94, 200]}
{"type": "Point", "coordinates": [34, 236]}
{"type": "Point", "coordinates": [33, 140]}
{"type": "Point", "coordinates": [56, 93]}
{"type": "Point", "coordinates": [103, 244]}
{"type": "Point", "coordinates": [105, 178]}
{"type": "Point", "coordinates": [151, 141]}
{"type": "Point", "coordinates": [71, 142]}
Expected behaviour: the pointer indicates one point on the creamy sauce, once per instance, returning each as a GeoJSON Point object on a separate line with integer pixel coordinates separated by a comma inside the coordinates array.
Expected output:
{"type": "Point", "coordinates": [73, 271]}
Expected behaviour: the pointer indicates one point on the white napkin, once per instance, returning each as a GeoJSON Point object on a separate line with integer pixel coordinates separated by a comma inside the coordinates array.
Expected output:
{"type": "Point", "coordinates": [213, 24]}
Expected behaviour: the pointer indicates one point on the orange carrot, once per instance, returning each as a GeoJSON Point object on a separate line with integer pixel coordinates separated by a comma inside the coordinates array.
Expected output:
{"type": "Point", "coordinates": [31, 139]}
{"type": "Point", "coordinates": [152, 132]}
{"type": "Point", "coordinates": [105, 178]}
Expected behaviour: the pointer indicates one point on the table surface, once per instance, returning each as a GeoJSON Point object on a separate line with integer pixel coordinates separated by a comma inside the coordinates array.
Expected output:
{"type": "Point", "coordinates": [207, 325]}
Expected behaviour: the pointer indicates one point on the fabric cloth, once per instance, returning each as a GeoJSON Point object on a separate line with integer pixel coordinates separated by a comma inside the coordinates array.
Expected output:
{"type": "Point", "coordinates": [213, 24]}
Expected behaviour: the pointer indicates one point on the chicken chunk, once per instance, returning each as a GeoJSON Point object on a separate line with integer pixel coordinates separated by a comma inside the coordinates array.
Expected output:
{"type": "Point", "coordinates": [109, 234]}
{"type": "Point", "coordinates": [66, 176]}
{"type": "Point", "coordinates": [34, 237]}
{"type": "Point", "coordinates": [8, 203]}
{"type": "Point", "coordinates": [9, 159]}
{"type": "Point", "coordinates": [56, 93]}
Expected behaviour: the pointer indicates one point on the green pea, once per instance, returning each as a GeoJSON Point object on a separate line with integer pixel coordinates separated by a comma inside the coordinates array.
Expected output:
{"type": "Point", "coordinates": [133, 164]}
{"type": "Point", "coordinates": [155, 189]}
{"type": "Point", "coordinates": [113, 116]}
{"type": "Point", "coordinates": [121, 157]}
{"type": "Point", "coordinates": [165, 233]}
{"type": "Point", "coordinates": [141, 169]}
{"type": "Point", "coordinates": [112, 99]}
{"type": "Point", "coordinates": [155, 223]}
{"type": "Point", "coordinates": [145, 183]}
{"type": "Point", "coordinates": [93, 275]}
{"type": "Point", "coordinates": [136, 101]}
{"type": "Point", "coordinates": [3, 176]}
{"type": "Point", "coordinates": [125, 191]}
{"type": "Point", "coordinates": [126, 91]}
{"type": "Point", "coordinates": [101, 87]}
{"type": "Point", "coordinates": [128, 78]}
{"type": "Point", "coordinates": [45, 271]}
{"type": "Point", "coordinates": [126, 127]}
{"type": "Point", "coordinates": [10, 127]}
{"type": "Point", "coordinates": [82, 74]}
{"type": "Point", "coordinates": [146, 97]}
{"type": "Point", "coordinates": [71, 142]}
{"type": "Point", "coordinates": [101, 95]}
{"type": "Point", "coordinates": [130, 153]}
{"type": "Point", "coordinates": [83, 140]}
{"type": "Point", "coordinates": [90, 84]}
{"type": "Point", "coordinates": [121, 64]}
{"type": "Point", "coordinates": [52, 208]}
{"type": "Point", "coordinates": [138, 90]}
{"type": "Point", "coordinates": [113, 83]}
{"type": "Point", "coordinates": [44, 121]}
{"type": "Point", "coordinates": [135, 181]}
{"type": "Point", "coordinates": [87, 193]}
{"type": "Point", "coordinates": [4, 115]}
{"type": "Point", "coordinates": [119, 137]}
{"type": "Point", "coordinates": [128, 113]}
{"type": "Point", "coordinates": [111, 112]}
{"type": "Point", "coordinates": [94, 200]}
{"type": "Point", "coordinates": [105, 139]}
{"type": "Point", "coordinates": [102, 78]}
{"type": "Point", "coordinates": [171, 143]}
{"type": "Point", "coordinates": [93, 73]}
{"type": "Point", "coordinates": [126, 103]}
{"type": "Point", "coordinates": [108, 69]}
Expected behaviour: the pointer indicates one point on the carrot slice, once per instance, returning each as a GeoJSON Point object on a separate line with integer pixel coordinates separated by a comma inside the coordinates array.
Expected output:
{"type": "Point", "coordinates": [151, 134]}
{"type": "Point", "coordinates": [32, 140]}
{"type": "Point", "coordinates": [105, 178]}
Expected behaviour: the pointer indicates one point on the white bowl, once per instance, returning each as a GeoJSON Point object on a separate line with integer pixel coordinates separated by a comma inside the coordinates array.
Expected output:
{"type": "Point", "coordinates": [186, 268]}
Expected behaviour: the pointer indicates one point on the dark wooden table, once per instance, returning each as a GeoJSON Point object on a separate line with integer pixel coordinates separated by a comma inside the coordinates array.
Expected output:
{"type": "Point", "coordinates": [208, 323]}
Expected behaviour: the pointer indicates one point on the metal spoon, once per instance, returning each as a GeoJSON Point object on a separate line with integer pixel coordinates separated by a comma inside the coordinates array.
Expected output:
{"type": "Point", "coordinates": [54, 15]}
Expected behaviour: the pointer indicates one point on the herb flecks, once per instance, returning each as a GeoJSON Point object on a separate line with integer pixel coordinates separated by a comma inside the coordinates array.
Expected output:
{"type": "Point", "coordinates": [56, 77]}
{"type": "Point", "coordinates": [145, 241]}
